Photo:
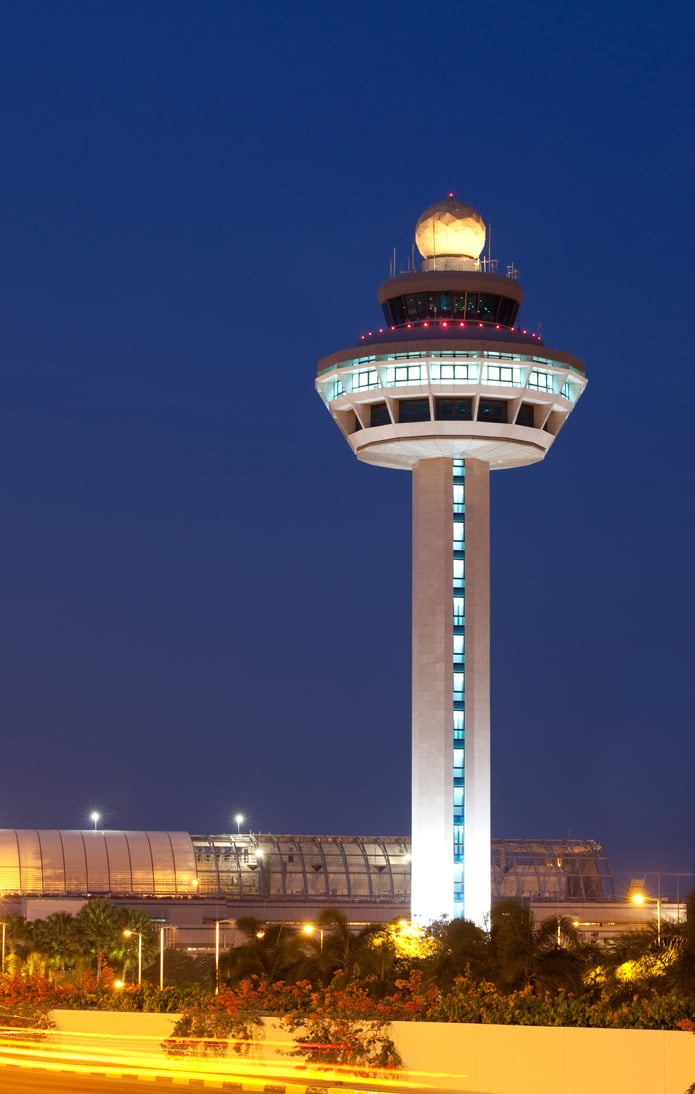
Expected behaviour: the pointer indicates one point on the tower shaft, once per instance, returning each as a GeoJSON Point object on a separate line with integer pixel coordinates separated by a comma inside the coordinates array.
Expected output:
{"type": "Point", "coordinates": [451, 690]}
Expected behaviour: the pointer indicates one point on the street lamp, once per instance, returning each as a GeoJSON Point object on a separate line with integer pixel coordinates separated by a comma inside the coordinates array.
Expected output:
{"type": "Point", "coordinates": [95, 818]}
{"type": "Point", "coordinates": [640, 898]}
{"type": "Point", "coordinates": [4, 928]}
{"type": "Point", "coordinates": [309, 929]}
{"type": "Point", "coordinates": [162, 939]}
{"type": "Point", "coordinates": [239, 818]}
{"type": "Point", "coordinates": [129, 934]}
{"type": "Point", "coordinates": [217, 951]}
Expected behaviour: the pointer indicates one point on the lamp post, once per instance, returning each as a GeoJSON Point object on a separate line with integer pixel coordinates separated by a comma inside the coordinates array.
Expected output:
{"type": "Point", "coordinates": [640, 898]}
{"type": "Point", "coordinates": [129, 934]}
{"type": "Point", "coordinates": [162, 934]}
{"type": "Point", "coordinates": [95, 818]}
{"type": "Point", "coordinates": [217, 951]}
{"type": "Point", "coordinates": [239, 818]}
{"type": "Point", "coordinates": [309, 929]}
{"type": "Point", "coordinates": [2, 966]}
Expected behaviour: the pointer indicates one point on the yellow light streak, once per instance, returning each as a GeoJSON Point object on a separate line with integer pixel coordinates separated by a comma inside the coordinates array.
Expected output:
{"type": "Point", "coordinates": [113, 1054]}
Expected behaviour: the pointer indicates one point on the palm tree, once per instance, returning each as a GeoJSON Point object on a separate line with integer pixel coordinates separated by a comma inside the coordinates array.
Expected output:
{"type": "Point", "coordinates": [58, 938]}
{"type": "Point", "coordinates": [100, 925]}
{"type": "Point", "coordinates": [463, 949]}
{"type": "Point", "coordinates": [511, 945]}
{"type": "Point", "coordinates": [139, 924]}
{"type": "Point", "coordinates": [272, 952]}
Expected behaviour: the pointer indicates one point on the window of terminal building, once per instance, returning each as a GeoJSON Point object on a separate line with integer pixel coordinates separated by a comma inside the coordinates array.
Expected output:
{"type": "Point", "coordinates": [416, 306]}
{"type": "Point", "coordinates": [525, 415]}
{"type": "Point", "coordinates": [453, 410]}
{"type": "Point", "coordinates": [379, 414]}
{"type": "Point", "coordinates": [507, 312]}
{"type": "Point", "coordinates": [487, 307]}
{"type": "Point", "coordinates": [492, 410]}
{"type": "Point", "coordinates": [504, 374]}
{"type": "Point", "coordinates": [540, 381]}
{"type": "Point", "coordinates": [414, 410]}
{"type": "Point", "coordinates": [439, 305]}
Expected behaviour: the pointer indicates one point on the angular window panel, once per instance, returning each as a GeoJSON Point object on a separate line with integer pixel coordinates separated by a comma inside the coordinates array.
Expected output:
{"type": "Point", "coordinates": [414, 410]}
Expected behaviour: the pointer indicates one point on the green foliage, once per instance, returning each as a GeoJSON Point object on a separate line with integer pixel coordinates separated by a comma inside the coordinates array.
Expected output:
{"type": "Point", "coordinates": [338, 995]}
{"type": "Point", "coordinates": [183, 970]}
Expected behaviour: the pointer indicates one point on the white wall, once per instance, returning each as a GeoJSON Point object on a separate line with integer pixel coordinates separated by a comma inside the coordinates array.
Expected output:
{"type": "Point", "coordinates": [482, 1058]}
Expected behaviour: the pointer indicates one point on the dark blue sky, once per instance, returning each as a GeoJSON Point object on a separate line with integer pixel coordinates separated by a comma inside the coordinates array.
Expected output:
{"type": "Point", "coordinates": [205, 598]}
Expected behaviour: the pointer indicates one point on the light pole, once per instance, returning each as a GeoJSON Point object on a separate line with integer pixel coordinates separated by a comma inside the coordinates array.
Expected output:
{"type": "Point", "coordinates": [95, 818]}
{"type": "Point", "coordinates": [2, 966]}
{"type": "Point", "coordinates": [162, 935]}
{"type": "Point", "coordinates": [217, 950]}
{"type": "Point", "coordinates": [239, 818]}
{"type": "Point", "coordinates": [640, 898]}
{"type": "Point", "coordinates": [309, 929]}
{"type": "Point", "coordinates": [129, 934]}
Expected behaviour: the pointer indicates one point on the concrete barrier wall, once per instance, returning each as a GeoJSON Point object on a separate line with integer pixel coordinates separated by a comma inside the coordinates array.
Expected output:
{"type": "Point", "coordinates": [474, 1058]}
{"type": "Point", "coordinates": [548, 1060]}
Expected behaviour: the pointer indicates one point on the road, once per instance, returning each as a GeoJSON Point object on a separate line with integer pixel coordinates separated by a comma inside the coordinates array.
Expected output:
{"type": "Point", "coordinates": [34, 1080]}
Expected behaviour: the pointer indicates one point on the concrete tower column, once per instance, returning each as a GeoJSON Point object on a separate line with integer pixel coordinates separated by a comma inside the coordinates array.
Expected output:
{"type": "Point", "coordinates": [451, 689]}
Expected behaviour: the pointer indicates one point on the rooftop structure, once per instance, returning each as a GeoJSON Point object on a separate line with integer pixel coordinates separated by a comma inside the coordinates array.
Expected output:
{"type": "Point", "coordinates": [191, 883]}
{"type": "Point", "coordinates": [274, 869]}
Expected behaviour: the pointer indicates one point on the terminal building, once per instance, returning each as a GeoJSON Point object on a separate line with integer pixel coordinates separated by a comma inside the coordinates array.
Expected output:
{"type": "Point", "coordinates": [192, 882]}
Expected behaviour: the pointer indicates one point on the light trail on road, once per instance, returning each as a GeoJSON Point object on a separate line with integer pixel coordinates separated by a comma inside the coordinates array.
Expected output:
{"type": "Point", "coordinates": [112, 1057]}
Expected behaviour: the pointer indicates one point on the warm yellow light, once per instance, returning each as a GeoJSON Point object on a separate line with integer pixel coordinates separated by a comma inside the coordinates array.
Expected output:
{"type": "Point", "coordinates": [118, 984]}
{"type": "Point", "coordinates": [260, 934]}
{"type": "Point", "coordinates": [638, 898]}
{"type": "Point", "coordinates": [308, 928]}
{"type": "Point", "coordinates": [127, 933]}
{"type": "Point", "coordinates": [450, 227]}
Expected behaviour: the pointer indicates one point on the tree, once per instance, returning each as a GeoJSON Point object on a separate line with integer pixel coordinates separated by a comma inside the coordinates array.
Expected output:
{"type": "Point", "coordinates": [511, 944]}
{"type": "Point", "coordinates": [139, 923]}
{"type": "Point", "coordinates": [100, 930]}
{"type": "Point", "coordinates": [463, 948]}
{"type": "Point", "coordinates": [271, 953]}
{"type": "Point", "coordinates": [57, 937]}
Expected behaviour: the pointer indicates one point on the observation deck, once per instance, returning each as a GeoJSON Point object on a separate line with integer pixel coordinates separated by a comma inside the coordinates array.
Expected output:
{"type": "Point", "coordinates": [450, 373]}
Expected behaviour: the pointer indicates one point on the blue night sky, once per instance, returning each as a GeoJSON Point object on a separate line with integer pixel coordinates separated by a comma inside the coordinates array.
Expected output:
{"type": "Point", "coordinates": [205, 597]}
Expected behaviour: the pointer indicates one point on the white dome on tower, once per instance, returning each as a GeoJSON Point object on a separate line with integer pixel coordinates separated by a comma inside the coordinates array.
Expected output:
{"type": "Point", "coordinates": [450, 228]}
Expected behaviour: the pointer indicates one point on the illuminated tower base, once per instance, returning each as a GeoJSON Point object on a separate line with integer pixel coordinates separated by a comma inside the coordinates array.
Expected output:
{"type": "Point", "coordinates": [451, 690]}
{"type": "Point", "coordinates": [450, 389]}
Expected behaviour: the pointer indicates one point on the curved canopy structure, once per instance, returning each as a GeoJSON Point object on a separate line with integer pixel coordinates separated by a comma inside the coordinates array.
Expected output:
{"type": "Point", "coordinates": [276, 869]}
{"type": "Point", "coordinates": [50, 862]}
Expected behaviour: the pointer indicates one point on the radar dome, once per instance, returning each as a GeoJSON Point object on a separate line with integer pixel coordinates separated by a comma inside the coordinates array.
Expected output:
{"type": "Point", "coordinates": [452, 228]}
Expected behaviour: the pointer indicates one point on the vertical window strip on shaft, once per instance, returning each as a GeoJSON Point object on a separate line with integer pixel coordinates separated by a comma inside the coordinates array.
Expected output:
{"type": "Point", "coordinates": [458, 584]}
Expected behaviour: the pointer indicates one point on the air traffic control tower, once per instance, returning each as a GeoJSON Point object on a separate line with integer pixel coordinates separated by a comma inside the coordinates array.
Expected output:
{"type": "Point", "coordinates": [449, 388]}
